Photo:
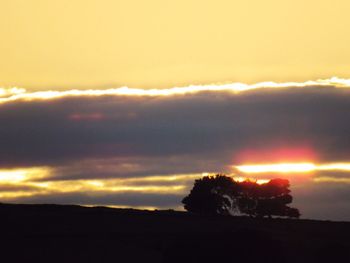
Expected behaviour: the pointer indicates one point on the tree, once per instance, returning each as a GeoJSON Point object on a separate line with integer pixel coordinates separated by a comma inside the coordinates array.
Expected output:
{"type": "Point", "coordinates": [212, 195]}
{"type": "Point", "coordinates": [220, 194]}
{"type": "Point", "coordinates": [269, 199]}
{"type": "Point", "coordinates": [248, 198]}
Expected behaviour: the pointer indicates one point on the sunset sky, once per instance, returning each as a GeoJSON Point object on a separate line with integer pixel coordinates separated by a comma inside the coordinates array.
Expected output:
{"type": "Point", "coordinates": [126, 103]}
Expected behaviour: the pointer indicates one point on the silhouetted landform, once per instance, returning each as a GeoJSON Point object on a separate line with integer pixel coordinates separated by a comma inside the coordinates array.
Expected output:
{"type": "Point", "coordinates": [55, 233]}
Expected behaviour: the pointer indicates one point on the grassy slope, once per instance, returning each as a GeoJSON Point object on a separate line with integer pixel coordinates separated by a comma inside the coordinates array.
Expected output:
{"type": "Point", "coordinates": [51, 233]}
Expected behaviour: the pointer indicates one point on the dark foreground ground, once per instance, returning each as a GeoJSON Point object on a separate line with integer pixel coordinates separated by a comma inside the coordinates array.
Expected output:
{"type": "Point", "coordinates": [51, 233]}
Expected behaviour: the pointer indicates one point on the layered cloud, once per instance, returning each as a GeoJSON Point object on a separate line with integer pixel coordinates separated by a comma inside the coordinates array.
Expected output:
{"type": "Point", "coordinates": [114, 136]}
{"type": "Point", "coordinates": [15, 94]}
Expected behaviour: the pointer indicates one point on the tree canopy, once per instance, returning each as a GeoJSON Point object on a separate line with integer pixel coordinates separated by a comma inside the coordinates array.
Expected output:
{"type": "Point", "coordinates": [222, 195]}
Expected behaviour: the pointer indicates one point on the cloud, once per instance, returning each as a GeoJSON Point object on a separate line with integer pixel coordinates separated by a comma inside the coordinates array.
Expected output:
{"type": "Point", "coordinates": [210, 125]}
{"type": "Point", "coordinates": [325, 200]}
{"type": "Point", "coordinates": [108, 136]}
{"type": "Point", "coordinates": [18, 94]}
{"type": "Point", "coordinates": [137, 167]}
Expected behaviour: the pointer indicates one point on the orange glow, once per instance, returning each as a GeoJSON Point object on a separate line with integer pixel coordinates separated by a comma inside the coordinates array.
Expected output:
{"type": "Point", "coordinates": [292, 167]}
{"type": "Point", "coordinates": [22, 182]}
{"type": "Point", "coordinates": [126, 206]}
{"type": "Point", "coordinates": [297, 154]}
{"type": "Point", "coordinates": [18, 94]}
{"type": "Point", "coordinates": [277, 168]}
{"type": "Point", "coordinates": [327, 179]}
{"type": "Point", "coordinates": [258, 181]}
{"type": "Point", "coordinates": [335, 166]}
{"type": "Point", "coordinates": [22, 174]}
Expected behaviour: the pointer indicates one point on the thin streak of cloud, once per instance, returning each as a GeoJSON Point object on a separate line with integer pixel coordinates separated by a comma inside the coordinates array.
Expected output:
{"type": "Point", "coordinates": [293, 167]}
{"type": "Point", "coordinates": [18, 94]}
{"type": "Point", "coordinates": [328, 179]}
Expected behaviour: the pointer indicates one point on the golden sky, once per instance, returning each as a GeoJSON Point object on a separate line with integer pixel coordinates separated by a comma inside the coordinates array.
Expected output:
{"type": "Point", "coordinates": [163, 43]}
{"type": "Point", "coordinates": [126, 103]}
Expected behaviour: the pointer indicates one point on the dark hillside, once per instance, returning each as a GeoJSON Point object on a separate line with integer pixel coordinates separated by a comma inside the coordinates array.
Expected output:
{"type": "Point", "coordinates": [53, 233]}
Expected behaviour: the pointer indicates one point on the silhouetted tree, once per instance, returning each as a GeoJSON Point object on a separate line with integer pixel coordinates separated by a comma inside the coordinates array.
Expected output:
{"type": "Point", "coordinates": [220, 194]}
{"type": "Point", "coordinates": [292, 212]}
{"type": "Point", "coordinates": [212, 195]}
{"type": "Point", "coordinates": [248, 199]}
{"type": "Point", "coordinates": [274, 198]}
{"type": "Point", "coordinates": [269, 199]}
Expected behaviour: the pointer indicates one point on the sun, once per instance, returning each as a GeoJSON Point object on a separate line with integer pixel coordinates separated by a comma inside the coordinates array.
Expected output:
{"type": "Point", "coordinates": [278, 168]}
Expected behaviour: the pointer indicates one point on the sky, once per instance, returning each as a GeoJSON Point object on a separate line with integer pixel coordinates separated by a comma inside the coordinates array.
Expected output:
{"type": "Point", "coordinates": [163, 43]}
{"type": "Point", "coordinates": [126, 103]}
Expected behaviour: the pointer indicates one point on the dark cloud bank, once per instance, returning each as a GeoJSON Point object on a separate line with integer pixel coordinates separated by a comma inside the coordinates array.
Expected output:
{"type": "Point", "coordinates": [130, 136]}
{"type": "Point", "coordinates": [214, 125]}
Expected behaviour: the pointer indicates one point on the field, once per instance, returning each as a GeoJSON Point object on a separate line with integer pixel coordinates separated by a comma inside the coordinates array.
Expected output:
{"type": "Point", "coordinates": [53, 233]}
